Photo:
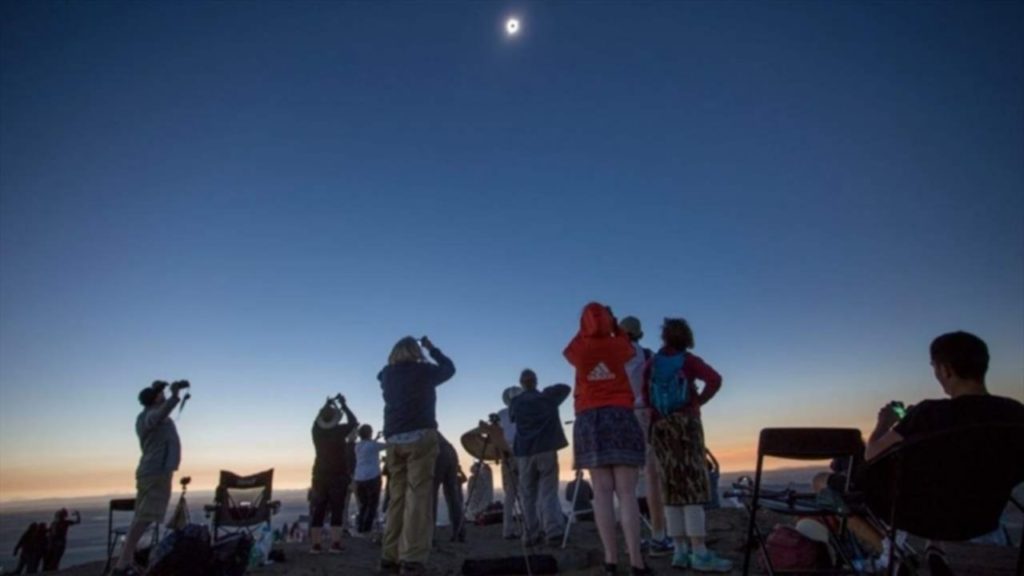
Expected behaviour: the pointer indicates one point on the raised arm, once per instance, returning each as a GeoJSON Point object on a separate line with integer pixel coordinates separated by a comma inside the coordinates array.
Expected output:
{"type": "Point", "coordinates": [349, 416]}
{"type": "Point", "coordinates": [444, 369]}
{"type": "Point", "coordinates": [155, 417]}
{"type": "Point", "coordinates": [557, 392]}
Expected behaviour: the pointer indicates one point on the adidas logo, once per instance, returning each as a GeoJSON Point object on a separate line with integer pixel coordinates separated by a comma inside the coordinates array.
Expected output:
{"type": "Point", "coordinates": [600, 372]}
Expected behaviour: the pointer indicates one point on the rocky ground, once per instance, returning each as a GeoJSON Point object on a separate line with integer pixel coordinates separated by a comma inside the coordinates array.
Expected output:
{"type": "Point", "coordinates": [582, 556]}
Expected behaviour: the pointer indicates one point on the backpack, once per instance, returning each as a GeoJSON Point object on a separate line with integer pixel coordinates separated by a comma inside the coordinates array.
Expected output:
{"type": "Point", "coordinates": [231, 554]}
{"type": "Point", "coordinates": [185, 551]}
{"type": "Point", "coordinates": [669, 390]}
{"type": "Point", "coordinates": [788, 549]}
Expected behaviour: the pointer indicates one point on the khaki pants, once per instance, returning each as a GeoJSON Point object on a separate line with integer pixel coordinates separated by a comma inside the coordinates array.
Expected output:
{"type": "Point", "coordinates": [410, 481]}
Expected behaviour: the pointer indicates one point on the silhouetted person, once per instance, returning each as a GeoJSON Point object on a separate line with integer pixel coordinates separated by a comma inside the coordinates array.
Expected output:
{"type": "Point", "coordinates": [446, 477]}
{"type": "Point", "coordinates": [539, 437]}
{"type": "Point", "coordinates": [161, 455]}
{"type": "Point", "coordinates": [368, 478]}
{"type": "Point", "coordinates": [332, 472]}
{"type": "Point", "coordinates": [32, 547]}
{"type": "Point", "coordinates": [57, 538]}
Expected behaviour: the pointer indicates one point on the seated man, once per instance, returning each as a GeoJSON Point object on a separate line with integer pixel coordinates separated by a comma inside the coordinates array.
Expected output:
{"type": "Point", "coordinates": [584, 506]}
{"type": "Point", "coordinates": [959, 361]}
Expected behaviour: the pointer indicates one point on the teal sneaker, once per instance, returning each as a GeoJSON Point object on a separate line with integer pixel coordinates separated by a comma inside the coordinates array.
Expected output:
{"type": "Point", "coordinates": [709, 562]}
{"type": "Point", "coordinates": [681, 560]}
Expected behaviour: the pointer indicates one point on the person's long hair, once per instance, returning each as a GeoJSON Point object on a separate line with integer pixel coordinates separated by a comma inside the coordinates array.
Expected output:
{"type": "Point", "coordinates": [406, 350]}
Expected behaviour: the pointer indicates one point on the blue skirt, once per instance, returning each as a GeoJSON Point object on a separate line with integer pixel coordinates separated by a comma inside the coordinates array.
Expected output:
{"type": "Point", "coordinates": [609, 436]}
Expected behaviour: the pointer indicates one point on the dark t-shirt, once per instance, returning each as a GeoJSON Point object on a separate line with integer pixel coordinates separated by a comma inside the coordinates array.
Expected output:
{"type": "Point", "coordinates": [937, 415]}
{"type": "Point", "coordinates": [332, 452]}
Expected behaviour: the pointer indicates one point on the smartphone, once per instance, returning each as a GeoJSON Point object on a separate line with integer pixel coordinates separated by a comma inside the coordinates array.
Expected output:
{"type": "Point", "coordinates": [899, 409]}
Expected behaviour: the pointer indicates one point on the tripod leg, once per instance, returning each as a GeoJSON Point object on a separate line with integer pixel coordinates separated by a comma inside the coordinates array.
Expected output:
{"type": "Point", "coordinates": [572, 510]}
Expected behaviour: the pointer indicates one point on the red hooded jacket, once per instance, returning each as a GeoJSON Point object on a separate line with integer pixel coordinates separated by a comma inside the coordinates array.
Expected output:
{"type": "Point", "coordinates": [600, 356]}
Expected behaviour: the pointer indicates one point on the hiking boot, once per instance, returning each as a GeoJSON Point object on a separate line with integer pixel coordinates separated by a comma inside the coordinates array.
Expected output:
{"type": "Point", "coordinates": [610, 569]}
{"type": "Point", "coordinates": [389, 567]}
{"type": "Point", "coordinates": [681, 560]}
{"type": "Point", "coordinates": [335, 548]}
{"type": "Point", "coordinates": [709, 562]}
{"type": "Point", "coordinates": [413, 569]}
{"type": "Point", "coordinates": [645, 571]}
{"type": "Point", "coordinates": [316, 549]}
{"type": "Point", "coordinates": [658, 548]}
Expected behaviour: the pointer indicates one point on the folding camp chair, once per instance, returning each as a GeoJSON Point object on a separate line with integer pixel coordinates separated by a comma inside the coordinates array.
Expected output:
{"type": "Point", "coordinates": [949, 486]}
{"type": "Point", "coordinates": [801, 444]}
{"type": "Point", "coordinates": [242, 503]}
{"type": "Point", "coordinates": [115, 533]}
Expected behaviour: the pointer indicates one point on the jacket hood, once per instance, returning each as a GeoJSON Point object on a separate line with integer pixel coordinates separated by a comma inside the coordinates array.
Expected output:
{"type": "Point", "coordinates": [596, 321]}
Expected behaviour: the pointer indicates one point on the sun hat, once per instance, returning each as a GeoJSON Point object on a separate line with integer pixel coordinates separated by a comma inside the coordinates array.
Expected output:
{"type": "Point", "coordinates": [328, 418]}
{"type": "Point", "coordinates": [510, 393]}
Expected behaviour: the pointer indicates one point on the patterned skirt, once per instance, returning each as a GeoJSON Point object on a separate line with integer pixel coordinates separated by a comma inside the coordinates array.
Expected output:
{"type": "Point", "coordinates": [607, 436]}
{"type": "Point", "coordinates": [678, 443]}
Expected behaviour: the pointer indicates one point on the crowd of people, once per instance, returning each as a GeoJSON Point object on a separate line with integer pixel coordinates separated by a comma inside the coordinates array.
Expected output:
{"type": "Point", "coordinates": [638, 419]}
{"type": "Point", "coordinates": [41, 547]}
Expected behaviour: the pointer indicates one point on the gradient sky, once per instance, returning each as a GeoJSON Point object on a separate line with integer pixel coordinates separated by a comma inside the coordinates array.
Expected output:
{"type": "Point", "coordinates": [263, 197]}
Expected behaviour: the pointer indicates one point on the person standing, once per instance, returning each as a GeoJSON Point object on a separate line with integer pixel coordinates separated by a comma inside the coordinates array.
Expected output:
{"type": "Point", "coordinates": [409, 386]}
{"type": "Point", "coordinates": [607, 439]}
{"type": "Point", "coordinates": [161, 456]}
{"type": "Point", "coordinates": [368, 478]}
{"type": "Point", "coordinates": [331, 471]}
{"type": "Point", "coordinates": [539, 437]}
{"type": "Point", "coordinates": [650, 485]}
{"type": "Point", "coordinates": [57, 538]}
{"type": "Point", "coordinates": [446, 477]}
{"type": "Point", "coordinates": [32, 548]}
{"type": "Point", "coordinates": [677, 436]}
{"type": "Point", "coordinates": [509, 468]}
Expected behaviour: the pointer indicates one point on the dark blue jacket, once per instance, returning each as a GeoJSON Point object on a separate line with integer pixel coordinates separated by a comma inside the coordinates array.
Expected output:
{"type": "Point", "coordinates": [409, 396]}
{"type": "Point", "coordinates": [538, 425]}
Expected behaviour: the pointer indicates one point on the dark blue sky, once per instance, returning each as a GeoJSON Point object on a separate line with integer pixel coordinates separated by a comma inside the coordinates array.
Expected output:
{"type": "Point", "coordinates": [263, 197]}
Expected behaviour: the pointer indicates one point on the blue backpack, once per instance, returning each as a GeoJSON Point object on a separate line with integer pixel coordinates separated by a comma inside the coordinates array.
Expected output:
{"type": "Point", "coordinates": [669, 390]}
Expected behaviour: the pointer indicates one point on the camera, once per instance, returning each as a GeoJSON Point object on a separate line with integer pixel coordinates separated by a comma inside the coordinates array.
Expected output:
{"type": "Point", "coordinates": [180, 385]}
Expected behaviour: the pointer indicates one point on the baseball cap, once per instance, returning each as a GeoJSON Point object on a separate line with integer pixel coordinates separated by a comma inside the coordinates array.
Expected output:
{"type": "Point", "coordinates": [631, 325]}
{"type": "Point", "coordinates": [148, 394]}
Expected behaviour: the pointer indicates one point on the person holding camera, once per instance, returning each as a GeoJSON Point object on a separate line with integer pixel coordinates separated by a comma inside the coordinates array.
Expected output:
{"type": "Point", "coordinates": [409, 385]}
{"type": "Point", "coordinates": [58, 537]}
{"type": "Point", "coordinates": [607, 439]}
{"type": "Point", "coordinates": [161, 455]}
{"type": "Point", "coordinates": [332, 472]}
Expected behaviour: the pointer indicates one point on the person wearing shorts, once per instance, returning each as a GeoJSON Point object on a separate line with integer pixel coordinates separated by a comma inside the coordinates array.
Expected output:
{"type": "Point", "coordinates": [331, 472]}
{"type": "Point", "coordinates": [161, 455]}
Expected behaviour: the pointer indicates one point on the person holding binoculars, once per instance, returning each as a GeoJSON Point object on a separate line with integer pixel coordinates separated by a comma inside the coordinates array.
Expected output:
{"type": "Point", "coordinates": [161, 455]}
